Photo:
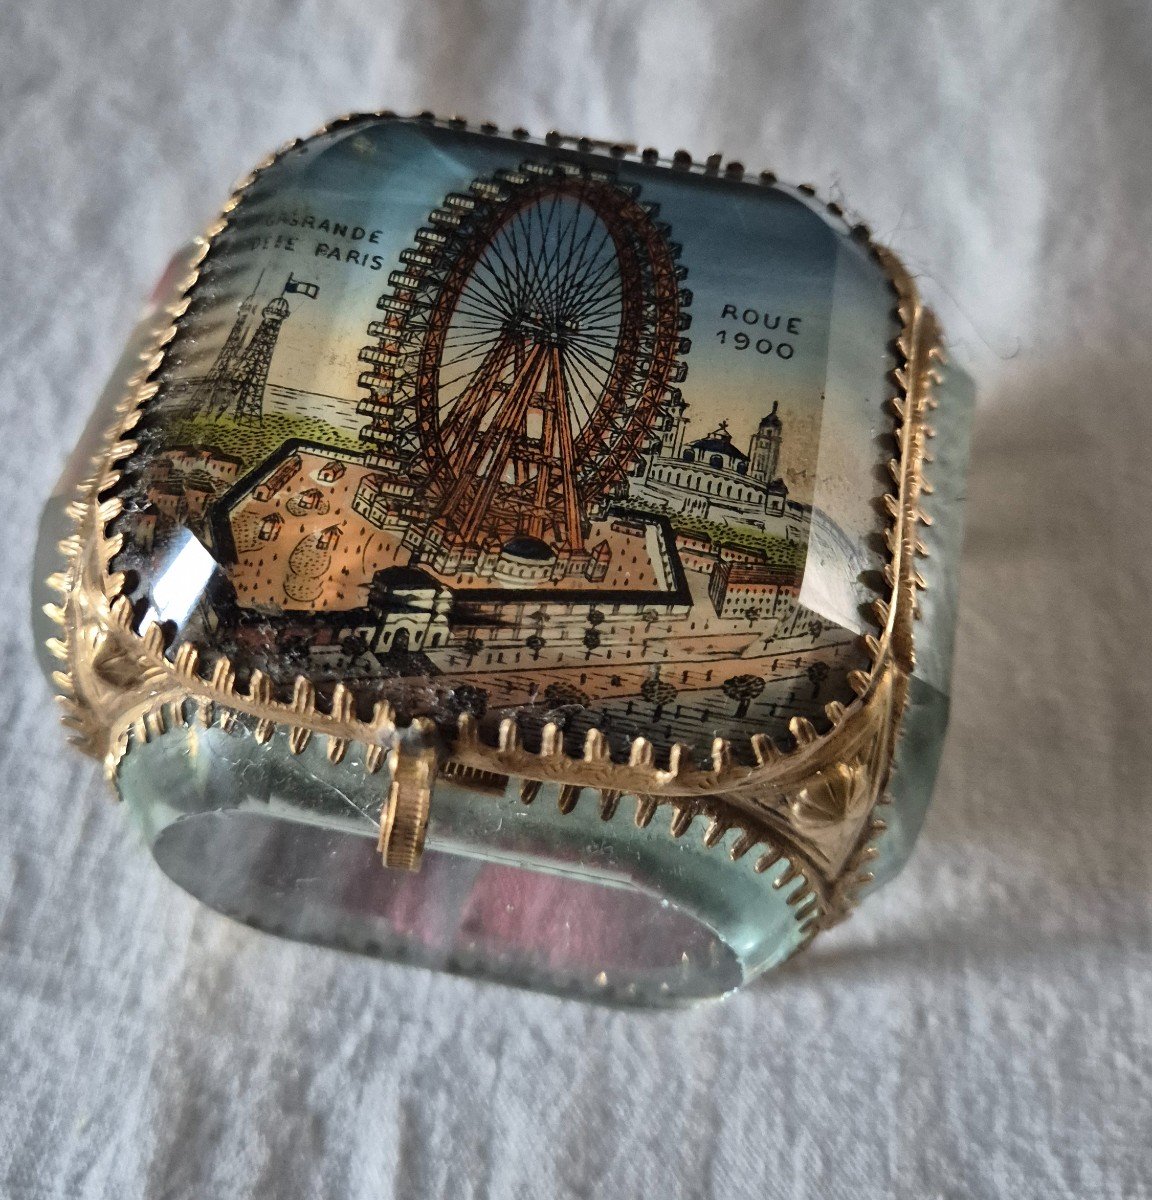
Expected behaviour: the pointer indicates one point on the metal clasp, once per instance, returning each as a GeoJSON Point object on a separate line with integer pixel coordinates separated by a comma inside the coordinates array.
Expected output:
{"type": "Point", "coordinates": [413, 764]}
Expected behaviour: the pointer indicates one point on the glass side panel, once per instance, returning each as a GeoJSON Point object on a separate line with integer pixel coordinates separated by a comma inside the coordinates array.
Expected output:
{"type": "Point", "coordinates": [926, 718]}
{"type": "Point", "coordinates": [520, 893]}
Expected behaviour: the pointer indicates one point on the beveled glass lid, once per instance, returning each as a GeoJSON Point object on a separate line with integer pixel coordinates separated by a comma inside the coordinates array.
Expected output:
{"type": "Point", "coordinates": [475, 424]}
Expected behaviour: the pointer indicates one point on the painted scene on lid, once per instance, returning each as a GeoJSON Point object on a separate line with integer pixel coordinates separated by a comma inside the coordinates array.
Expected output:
{"type": "Point", "coordinates": [478, 425]}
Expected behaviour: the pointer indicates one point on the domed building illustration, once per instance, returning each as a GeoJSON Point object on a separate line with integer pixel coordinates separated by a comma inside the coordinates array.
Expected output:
{"type": "Point", "coordinates": [407, 610]}
{"type": "Point", "coordinates": [712, 477]}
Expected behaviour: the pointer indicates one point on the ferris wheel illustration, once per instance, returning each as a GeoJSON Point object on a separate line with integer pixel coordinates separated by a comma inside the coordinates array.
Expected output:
{"type": "Point", "coordinates": [528, 353]}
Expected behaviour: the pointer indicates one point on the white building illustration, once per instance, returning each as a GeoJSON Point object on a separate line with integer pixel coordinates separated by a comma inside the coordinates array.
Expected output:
{"type": "Point", "coordinates": [712, 477]}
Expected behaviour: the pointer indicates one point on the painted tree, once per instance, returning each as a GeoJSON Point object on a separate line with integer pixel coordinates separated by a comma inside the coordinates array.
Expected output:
{"type": "Point", "coordinates": [294, 649]}
{"type": "Point", "coordinates": [591, 641]}
{"type": "Point", "coordinates": [467, 698]}
{"type": "Point", "coordinates": [743, 689]}
{"type": "Point", "coordinates": [471, 647]}
{"type": "Point", "coordinates": [658, 692]}
{"type": "Point", "coordinates": [817, 673]}
{"type": "Point", "coordinates": [536, 619]}
{"type": "Point", "coordinates": [535, 643]}
{"type": "Point", "coordinates": [354, 646]}
{"type": "Point", "coordinates": [557, 695]}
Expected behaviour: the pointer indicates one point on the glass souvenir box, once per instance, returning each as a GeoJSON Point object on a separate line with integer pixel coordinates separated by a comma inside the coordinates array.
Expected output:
{"type": "Point", "coordinates": [519, 557]}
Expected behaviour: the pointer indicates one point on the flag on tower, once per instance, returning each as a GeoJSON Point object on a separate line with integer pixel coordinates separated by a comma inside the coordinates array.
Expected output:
{"type": "Point", "coordinates": [310, 290]}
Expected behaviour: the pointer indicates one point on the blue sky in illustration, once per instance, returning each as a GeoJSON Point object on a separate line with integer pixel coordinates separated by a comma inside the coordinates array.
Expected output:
{"type": "Point", "coordinates": [745, 245]}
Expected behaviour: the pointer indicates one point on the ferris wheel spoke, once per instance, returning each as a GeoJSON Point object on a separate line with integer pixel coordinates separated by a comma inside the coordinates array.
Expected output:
{"type": "Point", "coordinates": [580, 393]}
{"type": "Point", "coordinates": [607, 326]}
{"type": "Point", "coordinates": [470, 316]}
{"type": "Point", "coordinates": [589, 280]}
{"type": "Point", "coordinates": [467, 354]}
{"type": "Point", "coordinates": [595, 278]}
{"type": "Point", "coordinates": [470, 341]}
{"type": "Point", "coordinates": [556, 254]}
{"type": "Point", "coordinates": [511, 234]}
{"type": "Point", "coordinates": [605, 344]}
{"type": "Point", "coordinates": [589, 391]}
{"type": "Point", "coordinates": [601, 286]}
{"type": "Point", "coordinates": [570, 255]}
{"type": "Point", "coordinates": [606, 339]}
{"type": "Point", "coordinates": [470, 321]}
{"type": "Point", "coordinates": [503, 252]}
{"type": "Point", "coordinates": [465, 345]}
{"type": "Point", "coordinates": [592, 373]}
{"type": "Point", "coordinates": [596, 355]}
{"type": "Point", "coordinates": [498, 296]}
{"type": "Point", "coordinates": [484, 305]}
{"type": "Point", "coordinates": [608, 295]}
{"type": "Point", "coordinates": [471, 328]}
{"type": "Point", "coordinates": [480, 308]}
{"type": "Point", "coordinates": [494, 282]}
{"type": "Point", "coordinates": [578, 267]}
{"type": "Point", "coordinates": [458, 351]}
{"type": "Point", "coordinates": [602, 360]}
{"type": "Point", "coordinates": [590, 376]}
{"type": "Point", "coordinates": [608, 304]}
{"type": "Point", "coordinates": [505, 270]}
{"type": "Point", "coordinates": [549, 289]}
{"type": "Point", "coordinates": [605, 336]}
{"type": "Point", "coordinates": [559, 258]}
{"type": "Point", "coordinates": [529, 254]}
{"type": "Point", "coordinates": [473, 311]}
{"type": "Point", "coordinates": [581, 421]}
{"type": "Point", "coordinates": [464, 377]}
{"type": "Point", "coordinates": [591, 385]}
{"type": "Point", "coordinates": [542, 258]}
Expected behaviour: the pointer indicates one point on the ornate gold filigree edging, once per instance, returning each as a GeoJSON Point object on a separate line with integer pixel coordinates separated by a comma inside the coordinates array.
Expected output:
{"type": "Point", "coordinates": [890, 652]}
{"type": "Point", "coordinates": [923, 358]}
{"type": "Point", "coordinates": [886, 612]}
{"type": "Point", "coordinates": [711, 819]}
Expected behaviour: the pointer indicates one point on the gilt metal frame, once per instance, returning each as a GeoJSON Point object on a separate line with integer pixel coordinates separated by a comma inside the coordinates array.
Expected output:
{"type": "Point", "coordinates": [811, 808]}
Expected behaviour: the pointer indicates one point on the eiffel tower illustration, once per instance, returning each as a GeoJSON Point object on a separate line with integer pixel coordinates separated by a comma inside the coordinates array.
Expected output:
{"type": "Point", "coordinates": [239, 374]}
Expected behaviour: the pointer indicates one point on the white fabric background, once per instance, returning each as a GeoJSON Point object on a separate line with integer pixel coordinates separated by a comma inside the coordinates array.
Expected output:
{"type": "Point", "coordinates": [981, 1029]}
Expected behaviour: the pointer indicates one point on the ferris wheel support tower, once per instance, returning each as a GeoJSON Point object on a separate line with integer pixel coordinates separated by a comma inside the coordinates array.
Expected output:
{"type": "Point", "coordinates": [529, 349]}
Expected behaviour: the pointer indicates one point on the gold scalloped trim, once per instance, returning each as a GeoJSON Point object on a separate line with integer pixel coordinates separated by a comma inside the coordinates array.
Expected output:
{"type": "Point", "coordinates": [709, 817]}
{"type": "Point", "coordinates": [681, 784]}
{"type": "Point", "coordinates": [846, 890]}
{"type": "Point", "coordinates": [907, 312]}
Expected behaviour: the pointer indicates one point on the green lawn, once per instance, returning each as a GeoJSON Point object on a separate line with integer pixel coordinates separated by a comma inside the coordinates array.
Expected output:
{"type": "Point", "coordinates": [777, 551]}
{"type": "Point", "coordinates": [254, 441]}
